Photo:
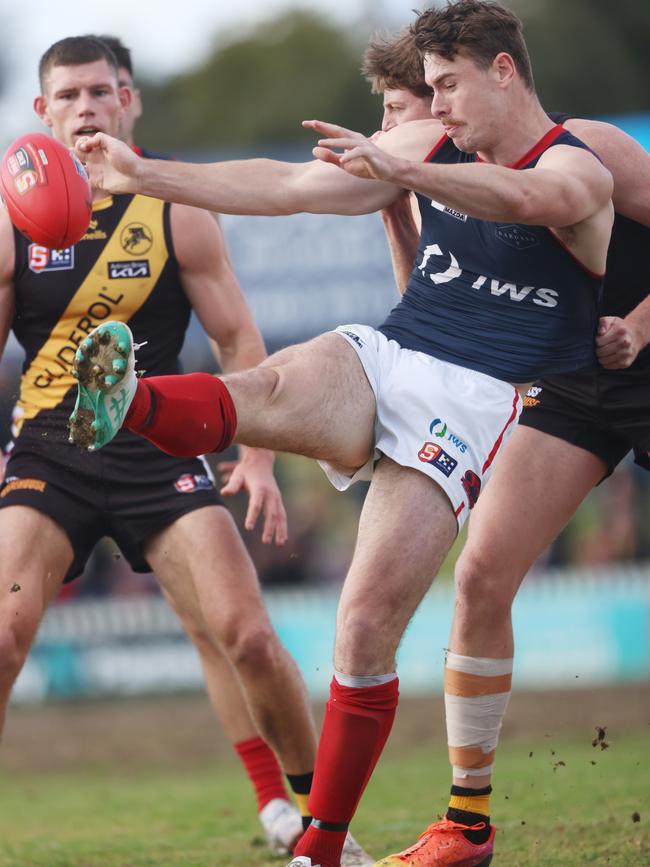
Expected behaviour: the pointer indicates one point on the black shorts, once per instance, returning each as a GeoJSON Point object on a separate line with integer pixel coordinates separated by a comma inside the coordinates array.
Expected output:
{"type": "Point", "coordinates": [606, 412]}
{"type": "Point", "coordinates": [127, 490]}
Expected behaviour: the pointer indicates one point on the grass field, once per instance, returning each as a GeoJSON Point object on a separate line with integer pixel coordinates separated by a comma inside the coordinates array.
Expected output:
{"type": "Point", "coordinates": [566, 804]}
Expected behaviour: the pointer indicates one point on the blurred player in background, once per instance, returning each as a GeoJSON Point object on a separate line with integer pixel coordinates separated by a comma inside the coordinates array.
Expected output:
{"type": "Point", "coordinates": [573, 431]}
{"type": "Point", "coordinates": [462, 334]}
{"type": "Point", "coordinates": [164, 513]}
{"type": "Point", "coordinates": [393, 67]}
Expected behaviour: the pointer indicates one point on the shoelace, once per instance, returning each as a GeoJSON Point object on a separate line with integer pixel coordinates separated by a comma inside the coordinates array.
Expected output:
{"type": "Point", "coordinates": [444, 825]}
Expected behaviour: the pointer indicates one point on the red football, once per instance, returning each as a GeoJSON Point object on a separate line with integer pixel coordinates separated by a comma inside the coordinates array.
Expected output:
{"type": "Point", "coordinates": [46, 191]}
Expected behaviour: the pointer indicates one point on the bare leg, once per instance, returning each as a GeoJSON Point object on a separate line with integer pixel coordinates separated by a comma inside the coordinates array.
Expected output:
{"type": "Point", "coordinates": [312, 399]}
{"type": "Point", "coordinates": [407, 527]}
{"type": "Point", "coordinates": [35, 554]}
{"type": "Point", "coordinates": [203, 565]}
{"type": "Point", "coordinates": [535, 488]}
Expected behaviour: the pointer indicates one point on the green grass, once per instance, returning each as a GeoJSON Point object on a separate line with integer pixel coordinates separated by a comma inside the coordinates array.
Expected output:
{"type": "Point", "coordinates": [573, 815]}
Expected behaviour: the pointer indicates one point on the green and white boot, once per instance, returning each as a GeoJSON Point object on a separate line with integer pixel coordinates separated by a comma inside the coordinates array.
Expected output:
{"type": "Point", "coordinates": [104, 366]}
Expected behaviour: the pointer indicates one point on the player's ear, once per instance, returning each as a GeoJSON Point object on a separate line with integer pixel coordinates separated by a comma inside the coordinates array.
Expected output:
{"type": "Point", "coordinates": [40, 107]}
{"type": "Point", "coordinates": [503, 67]}
{"type": "Point", "coordinates": [126, 96]}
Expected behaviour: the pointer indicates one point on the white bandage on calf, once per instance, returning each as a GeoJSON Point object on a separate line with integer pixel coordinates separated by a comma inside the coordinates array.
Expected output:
{"type": "Point", "coordinates": [477, 691]}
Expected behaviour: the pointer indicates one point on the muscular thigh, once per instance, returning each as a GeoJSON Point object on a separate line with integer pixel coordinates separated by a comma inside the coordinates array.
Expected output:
{"type": "Point", "coordinates": [202, 564]}
{"type": "Point", "coordinates": [321, 404]}
{"type": "Point", "coordinates": [536, 486]}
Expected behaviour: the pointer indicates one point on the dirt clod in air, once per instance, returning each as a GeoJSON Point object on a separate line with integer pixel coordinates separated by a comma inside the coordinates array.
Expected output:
{"type": "Point", "coordinates": [599, 740]}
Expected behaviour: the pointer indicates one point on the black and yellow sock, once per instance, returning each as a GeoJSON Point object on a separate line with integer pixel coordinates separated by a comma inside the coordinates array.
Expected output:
{"type": "Point", "coordinates": [301, 787]}
{"type": "Point", "coordinates": [471, 807]}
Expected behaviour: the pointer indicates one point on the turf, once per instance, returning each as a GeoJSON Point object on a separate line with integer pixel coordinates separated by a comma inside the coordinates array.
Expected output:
{"type": "Point", "coordinates": [556, 802]}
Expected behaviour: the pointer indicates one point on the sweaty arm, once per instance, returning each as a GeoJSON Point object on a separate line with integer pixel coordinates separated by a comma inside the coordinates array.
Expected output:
{"type": "Point", "coordinates": [619, 341]}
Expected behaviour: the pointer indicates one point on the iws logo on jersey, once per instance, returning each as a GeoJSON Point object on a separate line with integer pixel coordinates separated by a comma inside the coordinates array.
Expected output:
{"type": "Point", "coordinates": [439, 428]}
{"type": "Point", "coordinates": [439, 277]}
{"type": "Point", "coordinates": [472, 485]}
{"type": "Point", "coordinates": [42, 259]}
{"type": "Point", "coordinates": [136, 239]}
{"type": "Point", "coordinates": [457, 215]}
{"type": "Point", "coordinates": [516, 237]}
{"type": "Point", "coordinates": [430, 453]}
{"type": "Point", "coordinates": [188, 483]}
{"type": "Point", "coordinates": [126, 270]}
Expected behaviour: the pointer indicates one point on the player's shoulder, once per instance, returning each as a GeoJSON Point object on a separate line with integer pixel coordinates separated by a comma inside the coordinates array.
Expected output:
{"type": "Point", "coordinates": [605, 139]}
{"type": "Point", "coordinates": [412, 140]}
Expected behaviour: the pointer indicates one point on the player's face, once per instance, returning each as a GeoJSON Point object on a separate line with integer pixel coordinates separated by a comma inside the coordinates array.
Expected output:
{"type": "Point", "coordinates": [400, 106]}
{"type": "Point", "coordinates": [467, 99]}
{"type": "Point", "coordinates": [81, 100]}
{"type": "Point", "coordinates": [133, 112]}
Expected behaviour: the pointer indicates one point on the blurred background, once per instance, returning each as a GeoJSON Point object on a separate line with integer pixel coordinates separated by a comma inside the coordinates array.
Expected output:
{"type": "Point", "coordinates": [216, 82]}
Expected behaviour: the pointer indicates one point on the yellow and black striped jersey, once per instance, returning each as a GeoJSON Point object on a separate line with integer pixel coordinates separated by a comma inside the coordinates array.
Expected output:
{"type": "Point", "coordinates": [124, 268]}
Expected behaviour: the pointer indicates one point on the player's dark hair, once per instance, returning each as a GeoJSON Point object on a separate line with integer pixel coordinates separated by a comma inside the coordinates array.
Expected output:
{"type": "Point", "coordinates": [394, 62]}
{"type": "Point", "coordinates": [483, 28]}
{"type": "Point", "coordinates": [75, 50]}
{"type": "Point", "coordinates": [119, 49]}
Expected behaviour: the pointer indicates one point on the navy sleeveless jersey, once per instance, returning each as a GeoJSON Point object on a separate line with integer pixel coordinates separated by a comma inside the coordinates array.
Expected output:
{"type": "Point", "coordinates": [505, 299]}
{"type": "Point", "coordinates": [626, 283]}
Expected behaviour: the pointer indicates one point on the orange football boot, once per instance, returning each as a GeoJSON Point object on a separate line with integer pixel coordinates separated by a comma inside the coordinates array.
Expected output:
{"type": "Point", "coordinates": [443, 844]}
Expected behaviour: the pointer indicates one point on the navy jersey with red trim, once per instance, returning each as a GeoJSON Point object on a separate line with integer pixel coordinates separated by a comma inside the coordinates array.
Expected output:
{"type": "Point", "coordinates": [505, 299]}
{"type": "Point", "coordinates": [124, 268]}
{"type": "Point", "coordinates": [626, 282]}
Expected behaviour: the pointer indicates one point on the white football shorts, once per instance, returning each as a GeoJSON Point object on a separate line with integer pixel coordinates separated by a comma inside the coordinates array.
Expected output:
{"type": "Point", "coordinates": [444, 420]}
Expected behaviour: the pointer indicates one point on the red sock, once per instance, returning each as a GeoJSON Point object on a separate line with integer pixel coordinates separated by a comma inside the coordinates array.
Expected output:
{"type": "Point", "coordinates": [183, 415]}
{"type": "Point", "coordinates": [356, 726]}
{"type": "Point", "coordinates": [263, 770]}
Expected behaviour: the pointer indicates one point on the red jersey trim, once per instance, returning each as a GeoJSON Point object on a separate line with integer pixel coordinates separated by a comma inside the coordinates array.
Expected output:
{"type": "Point", "coordinates": [545, 142]}
{"type": "Point", "coordinates": [136, 149]}
{"type": "Point", "coordinates": [435, 148]}
{"type": "Point", "coordinates": [497, 444]}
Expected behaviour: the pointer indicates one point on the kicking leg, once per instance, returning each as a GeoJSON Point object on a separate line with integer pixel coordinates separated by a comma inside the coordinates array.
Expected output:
{"type": "Point", "coordinates": [313, 399]}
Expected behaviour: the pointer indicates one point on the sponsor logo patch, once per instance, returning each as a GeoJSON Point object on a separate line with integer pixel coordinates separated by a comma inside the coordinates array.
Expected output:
{"type": "Point", "coordinates": [14, 484]}
{"type": "Point", "coordinates": [439, 428]}
{"type": "Point", "coordinates": [94, 233]}
{"type": "Point", "coordinates": [188, 483]}
{"type": "Point", "coordinates": [136, 239]}
{"type": "Point", "coordinates": [516, 237]}
{"type": "Point", "coordinates": [530, 399]}
{"type": "Point", "coordinates": [457, 215]}
{"type": "Point", "coordinates": [472, 485]}
{"type": "Point", "coordinates": [128, 270]}
{"type": "Point", "coordinates": [42, 259]}
{"type": "Point", "coordinates": [431, 453]}
{"type": "Point", "coordinates": [25, 181]}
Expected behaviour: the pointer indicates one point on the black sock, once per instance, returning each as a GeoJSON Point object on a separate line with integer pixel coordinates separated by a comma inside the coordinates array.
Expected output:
{"type": "Point", "coordinates": [301, 787]}
{"type": "Point", "coordinates": [467, 817]}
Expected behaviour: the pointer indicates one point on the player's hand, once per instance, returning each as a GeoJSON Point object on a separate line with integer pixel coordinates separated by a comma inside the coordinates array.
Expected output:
{"type": "Point", "coordinates": [617, 342]}
{"type": "Point", "coordinates": [253, 473]}
{"type": "Point", "coordinates": [361, 157]}
{"type": "Point", "coordinates": [111, 164]}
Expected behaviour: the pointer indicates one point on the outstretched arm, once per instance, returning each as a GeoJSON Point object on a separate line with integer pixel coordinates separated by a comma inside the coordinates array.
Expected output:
{"type": "Point", "coordinates": [257, 186]}
{"type": "Point", "coordinates": [214, 292]}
